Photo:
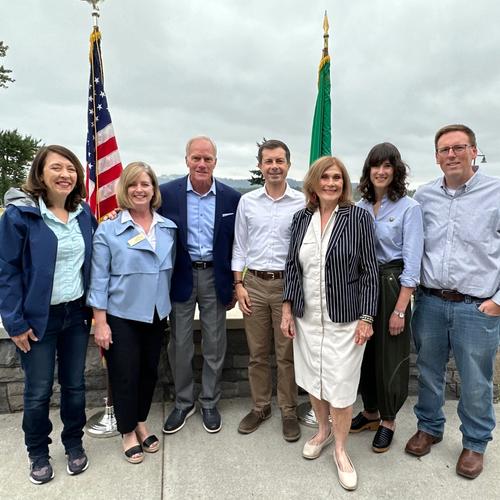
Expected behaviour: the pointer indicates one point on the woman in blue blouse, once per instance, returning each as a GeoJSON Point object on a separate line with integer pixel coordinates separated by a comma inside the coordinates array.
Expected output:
{"type": "Point", "coordinates": [399, 245]}
{"type": "Point", "coordinates": [45, 252]}
{"type": "Point", "coordinates": [129, 291]}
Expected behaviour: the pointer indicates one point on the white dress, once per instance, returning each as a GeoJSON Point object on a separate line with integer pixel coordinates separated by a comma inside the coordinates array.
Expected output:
{"type": "Point", "coordinates": [327, 361]}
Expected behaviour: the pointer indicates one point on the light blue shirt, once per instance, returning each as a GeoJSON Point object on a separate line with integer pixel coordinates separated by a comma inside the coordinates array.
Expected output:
{"type": "Point", "coordinates": [128, 278]}
{"type": "Point", "coordinates": [399, 235]}
{"type": "Point", "coordinates": [462, 236]}
{"type": "Point", "coordinates": [200, 223]}
{"type": "Point", "coordinates": [68, 278]}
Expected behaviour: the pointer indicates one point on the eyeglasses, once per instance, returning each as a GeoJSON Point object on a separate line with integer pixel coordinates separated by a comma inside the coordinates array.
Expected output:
{"type": "Point", "coordinates": [457, 149]}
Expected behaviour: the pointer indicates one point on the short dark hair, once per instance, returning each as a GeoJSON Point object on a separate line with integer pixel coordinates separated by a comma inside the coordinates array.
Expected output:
{"type": "Point", "coordinates": [272, 144]}
{"type": "Point", "coordinates": [384, 151]}
{"type": "Point", "coordinates": [456, 127]}
{"type": "Point", "coordinates": [35, 186]}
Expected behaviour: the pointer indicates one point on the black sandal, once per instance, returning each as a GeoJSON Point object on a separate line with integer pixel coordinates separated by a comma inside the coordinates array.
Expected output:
{"type": "Point", "coordinates": [134, 450]}
{"type": "Point", "coordinates": [151, 444]}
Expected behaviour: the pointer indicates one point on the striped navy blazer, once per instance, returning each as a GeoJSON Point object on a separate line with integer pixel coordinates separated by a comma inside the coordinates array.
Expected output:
{"type": "Point", "coordinates": [351, 269]}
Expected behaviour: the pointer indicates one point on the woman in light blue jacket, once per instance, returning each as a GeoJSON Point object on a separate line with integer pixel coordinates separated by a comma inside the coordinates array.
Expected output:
{"type": "Point", "coordinates": [132, 265]}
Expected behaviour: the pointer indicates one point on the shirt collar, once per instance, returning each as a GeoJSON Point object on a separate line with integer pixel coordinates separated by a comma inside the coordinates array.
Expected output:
{"type": "Point", "coordinates": [189, 187]}
{"type": "Point", "coordinates": [287, 192]}
{"type": "Point", "coordinates": [46, 212]}
{"type": "Point", "coordinates": [464, 187]}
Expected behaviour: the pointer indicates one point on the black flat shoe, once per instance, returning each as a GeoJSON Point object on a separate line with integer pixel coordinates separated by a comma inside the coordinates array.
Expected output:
{"type": "Point", "coordinates": [382, 440]}
{"type": "Point", "coordinates": [361, 423]}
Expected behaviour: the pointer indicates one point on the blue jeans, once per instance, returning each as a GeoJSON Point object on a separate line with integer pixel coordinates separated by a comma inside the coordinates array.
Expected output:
{"type": "Point", "coordinates": [67, 336]}
{"type": "Point", "coordinates": [439, 327]}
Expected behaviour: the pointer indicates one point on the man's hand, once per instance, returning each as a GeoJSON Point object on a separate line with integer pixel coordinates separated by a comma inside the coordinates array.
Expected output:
{"type": "Point", "coordinates": [364, 331]}
{"type": "Point", "coordinates": [111, 215]}
{"type": "Point", "coordinates": [489, 308]}
{"type": "Point", "coordinates": [244, 301]}
{"type": "Point", "coordinates": [287, 321]}
{"type": "Point", "coordinates": [396, 324]}
{"type": "Point", "coordinates": [23, 341]}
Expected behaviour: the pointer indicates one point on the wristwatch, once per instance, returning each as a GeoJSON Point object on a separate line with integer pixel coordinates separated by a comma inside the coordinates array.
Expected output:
{"type": "Point", "coordinates": [399, 314]}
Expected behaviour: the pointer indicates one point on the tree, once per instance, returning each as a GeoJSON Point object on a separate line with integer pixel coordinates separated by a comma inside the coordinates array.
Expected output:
{"type": "Point", "coordinates": [4, 73]}
{"type": "Point", "coordinates": [257, 177]}
{"type": "Point", "coordinates": [16, 153]}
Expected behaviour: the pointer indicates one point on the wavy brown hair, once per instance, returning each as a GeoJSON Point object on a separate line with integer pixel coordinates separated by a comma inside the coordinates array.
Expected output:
{"type": "Point", "coordinates": [313, 176]}
{"type": "Point", "coordinates": [380, 153]}
{"type": "Point", "coordinates": [35, 186]}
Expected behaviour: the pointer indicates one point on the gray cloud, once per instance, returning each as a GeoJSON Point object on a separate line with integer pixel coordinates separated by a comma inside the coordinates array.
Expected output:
{"type": "Point", "coordinates": [239, 71]}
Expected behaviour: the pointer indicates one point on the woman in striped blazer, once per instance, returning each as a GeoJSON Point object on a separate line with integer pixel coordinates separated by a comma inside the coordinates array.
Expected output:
{"type": "Point", "coordinates": [329, 300]}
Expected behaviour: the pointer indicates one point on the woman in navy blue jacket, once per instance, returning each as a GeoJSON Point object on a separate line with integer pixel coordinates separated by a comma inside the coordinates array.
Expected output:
{"type": "Point", "coordinates": [46, 234]}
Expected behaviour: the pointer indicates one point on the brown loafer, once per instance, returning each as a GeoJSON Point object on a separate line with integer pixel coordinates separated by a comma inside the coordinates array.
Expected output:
{"type": "Point", "coordinates": [470, 464]}
{"type": "Point", "coordinates": [420, 443]}
{"type": "Point", "coordinates": [251, 422]}
{"type": "Point", "coordinates": [291, 428]}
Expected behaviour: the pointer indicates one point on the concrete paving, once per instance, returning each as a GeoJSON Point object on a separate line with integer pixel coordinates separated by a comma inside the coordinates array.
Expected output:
{"type": "Point", "coordinates": [193, 464]}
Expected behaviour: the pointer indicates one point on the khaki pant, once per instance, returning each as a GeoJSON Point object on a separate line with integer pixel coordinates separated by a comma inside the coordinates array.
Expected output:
{"type": "Point", "coordinates": [262, 327]}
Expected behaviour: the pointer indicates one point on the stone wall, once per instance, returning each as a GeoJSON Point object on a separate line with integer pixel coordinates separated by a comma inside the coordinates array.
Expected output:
{"type": "Point", "coordinates": [234, 378]}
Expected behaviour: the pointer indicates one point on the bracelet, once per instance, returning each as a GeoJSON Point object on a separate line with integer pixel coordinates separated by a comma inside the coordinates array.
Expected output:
{"type": "Point", "coordinates": [237, 282]}
{"type": "Point", "coordinates": [367, 318]}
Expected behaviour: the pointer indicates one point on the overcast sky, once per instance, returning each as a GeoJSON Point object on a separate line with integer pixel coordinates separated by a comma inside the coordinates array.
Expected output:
{"type": "Point", "coordinates": [241, 70]}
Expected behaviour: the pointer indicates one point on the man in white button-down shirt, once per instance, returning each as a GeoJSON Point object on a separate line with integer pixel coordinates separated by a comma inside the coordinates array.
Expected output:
{"type": "Point", "coordinates": [262, 236]}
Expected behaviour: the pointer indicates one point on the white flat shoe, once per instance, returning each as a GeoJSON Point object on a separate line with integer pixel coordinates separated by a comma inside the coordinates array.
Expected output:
{"type": "Point", "coordinates": [348, 480]}
{"type": "Point", "coordinates": [312, 451]}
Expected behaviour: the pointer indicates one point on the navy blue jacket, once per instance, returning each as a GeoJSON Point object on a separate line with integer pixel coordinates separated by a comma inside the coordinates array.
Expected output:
{"type": "Point", "coordinates": [174, 207]}
{"type": "Point", "coordinates": [28, 250]}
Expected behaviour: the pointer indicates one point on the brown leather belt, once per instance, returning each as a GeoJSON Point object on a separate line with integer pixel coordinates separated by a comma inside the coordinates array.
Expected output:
{"type": "Point", "coordinates": [451, 295]}
{"type": "Point", "coordinates": [268, 275]}
{"type": "Point", "coordinates": [201, 264]}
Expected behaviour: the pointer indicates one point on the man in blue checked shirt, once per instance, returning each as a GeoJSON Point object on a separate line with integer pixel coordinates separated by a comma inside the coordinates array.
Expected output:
{"type": "Point", "coordinates": [204, 210]}
{"type": "Point", "coordinates": [457, 306]}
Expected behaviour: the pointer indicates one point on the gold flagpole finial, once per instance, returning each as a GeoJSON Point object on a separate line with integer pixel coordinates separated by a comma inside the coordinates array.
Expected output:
{"type": "Point", "coordinates": [326, 27]}
{"type": "Point", "coordinates": [95, 10]}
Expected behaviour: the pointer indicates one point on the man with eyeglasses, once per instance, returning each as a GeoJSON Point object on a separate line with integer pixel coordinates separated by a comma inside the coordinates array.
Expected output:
{"type": "Point", "coordinates": [457, 307]}
{"type": "Point", "coordinates": [261, 239]}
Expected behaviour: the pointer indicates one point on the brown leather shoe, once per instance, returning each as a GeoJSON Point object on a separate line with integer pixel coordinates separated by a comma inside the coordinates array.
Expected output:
{"type": "Point", "coordinates": [420, 443]}
{"type": "Point", "coordinates": [252, 421]}
{"type": "Point", "coordinates": [291, 428]}
{"type": "Point", "coordinates": [470, 464]}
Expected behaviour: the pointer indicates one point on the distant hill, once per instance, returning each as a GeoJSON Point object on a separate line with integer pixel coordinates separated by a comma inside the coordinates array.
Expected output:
{"type": "Point", "coordinates": [238, 184]}
{"type": "Point", "coordinates": [243, 185]}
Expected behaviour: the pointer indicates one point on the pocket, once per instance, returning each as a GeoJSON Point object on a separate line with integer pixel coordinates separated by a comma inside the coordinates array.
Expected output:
{"type": "Point", "coordinates": [483, 314]}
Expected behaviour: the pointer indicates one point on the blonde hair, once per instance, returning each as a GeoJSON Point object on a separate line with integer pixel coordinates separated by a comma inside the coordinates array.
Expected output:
{"type": "Point", "coordinates": [128, 177]}
{"type": "Point", "coordinates": [313, 176]}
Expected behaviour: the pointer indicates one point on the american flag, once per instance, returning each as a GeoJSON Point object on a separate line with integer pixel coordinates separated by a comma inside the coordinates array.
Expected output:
{"type": "Point", "coordinates": [103, 160]}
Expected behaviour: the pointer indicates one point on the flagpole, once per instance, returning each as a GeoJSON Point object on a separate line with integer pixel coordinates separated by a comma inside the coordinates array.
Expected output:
{"type": "Point", "coordinates": [103, 423]}
{"type": "Point", "coordinates": [321, 145]}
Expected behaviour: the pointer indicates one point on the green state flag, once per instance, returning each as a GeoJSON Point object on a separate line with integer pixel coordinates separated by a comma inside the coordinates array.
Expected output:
{"type": "Point", "coordinates": [321, 137]}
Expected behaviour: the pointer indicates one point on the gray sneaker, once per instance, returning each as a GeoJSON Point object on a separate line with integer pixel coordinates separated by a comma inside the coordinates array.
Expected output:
{"type": "Point", "coordinates": [40, 470]}
{"type": "Point", "coordinates": [77, 461]}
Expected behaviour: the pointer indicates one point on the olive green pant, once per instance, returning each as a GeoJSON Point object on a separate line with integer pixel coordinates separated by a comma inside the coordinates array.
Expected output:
{"type": "Point", "coordinates": [386, 362]}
